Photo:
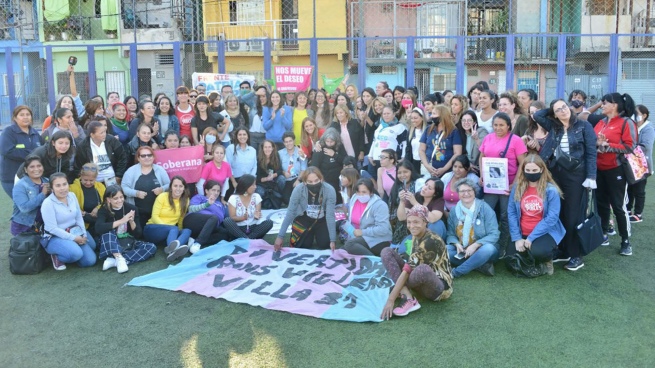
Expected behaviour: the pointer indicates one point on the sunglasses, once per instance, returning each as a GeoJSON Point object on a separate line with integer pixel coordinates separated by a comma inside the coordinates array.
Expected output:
{"type": "Point", "coordinates": [193, 96]}
{"type": "Point", "coordinates": [147, 155]}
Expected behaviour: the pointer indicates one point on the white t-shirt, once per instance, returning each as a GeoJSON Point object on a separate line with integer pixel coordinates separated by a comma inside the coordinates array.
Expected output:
{"type": "Point", "coordinates": [235, 201]}
{"type": "Point", "coordinates": [416, 143]}
{"type": "Point", "coordinates": [100, 158]}
{"type": "Point", "coordinates": [227, 117]}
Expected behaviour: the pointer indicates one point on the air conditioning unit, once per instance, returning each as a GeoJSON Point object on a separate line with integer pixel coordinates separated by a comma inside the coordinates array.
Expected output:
{"type": "Point", "coordinates": [238, 46]}
{"type": "Point", "coordinates": [256, 44]}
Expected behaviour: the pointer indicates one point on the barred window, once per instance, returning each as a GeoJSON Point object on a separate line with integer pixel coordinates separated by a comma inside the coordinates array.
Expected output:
{"type": "Point", "coordinates": [639, 69]}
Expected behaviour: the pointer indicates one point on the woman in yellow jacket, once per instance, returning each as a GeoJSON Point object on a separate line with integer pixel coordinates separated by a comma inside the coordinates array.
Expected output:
{"type": "Point", "coordinates": [89, 193]}
{"type": "Point", "coordinates": [166, 221]}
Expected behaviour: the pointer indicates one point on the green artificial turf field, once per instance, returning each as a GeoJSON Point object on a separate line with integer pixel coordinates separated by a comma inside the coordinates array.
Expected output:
{"type": "Point", "coordinates": [600, 316]}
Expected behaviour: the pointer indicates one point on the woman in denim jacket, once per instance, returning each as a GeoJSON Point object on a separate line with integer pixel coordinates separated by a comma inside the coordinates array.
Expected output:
{"type": "Point", "coordinates": [578, 148]}
{"type": "Point", "coordinates": [28, 195]}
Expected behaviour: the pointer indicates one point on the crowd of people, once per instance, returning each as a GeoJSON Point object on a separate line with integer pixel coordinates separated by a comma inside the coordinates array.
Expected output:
{"type": "Point", "coordinates": [382, 172]}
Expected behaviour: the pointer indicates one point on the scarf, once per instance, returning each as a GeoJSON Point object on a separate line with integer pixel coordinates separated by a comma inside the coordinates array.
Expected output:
{"type": "Point", "coordinates": [122, 125]}
{"type": "Point", "coordinates": [467, 215]}
{"type": "Point", "coordinates": [642, 126]}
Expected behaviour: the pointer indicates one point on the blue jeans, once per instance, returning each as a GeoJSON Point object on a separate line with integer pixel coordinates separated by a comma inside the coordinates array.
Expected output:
{"type": "Point", "coordinates": [8, 187]}
{"type": "Point", "coordinates": [68, 251]}
{"type": "Point", "coordinates": [156, 233]}
{"type": "Point", "coordinates": [438, 228]}
{"type": "Point", "coordinates": [486, 253]}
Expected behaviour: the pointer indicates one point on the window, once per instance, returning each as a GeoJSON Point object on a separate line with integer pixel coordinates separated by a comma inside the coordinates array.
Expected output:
{"type": "Point", "coordinates": [444, 81]}
{"type": "Point", "coordinates": [602, 7]}
{"type": "Point", "coordinates": [164, 59]}
{"type": "Point", "coordinates": [639, 69]}
{"type": "Point", "coordinates": [17, 85]}
{"type": "Point", "coordinates": [81, 82]}
{"type": "Point", "coordinates": [527, 79]}
{"type": "Point", "coordinates": [247, 12]}
{"type": "Point", "coordinates": [233, 13]}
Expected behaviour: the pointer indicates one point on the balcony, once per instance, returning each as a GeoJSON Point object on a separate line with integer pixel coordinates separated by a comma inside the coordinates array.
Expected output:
{"type": "Point", "coordinates": [643, 22]}
{"type": "Point", "coordinates": [246, 37]}
{"type": "Point", "coordinates": [23, 27]}
{"type": "Point", "coordinates": [527, 49]}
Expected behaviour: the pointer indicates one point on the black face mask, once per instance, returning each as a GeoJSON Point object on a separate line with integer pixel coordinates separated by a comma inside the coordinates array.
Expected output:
{"type": "Point", "coordinates": [577, 103]}
{"type": "Point", "coordinates": [532, 177]}
{"type": "Point", "coordinates": [314, 187]}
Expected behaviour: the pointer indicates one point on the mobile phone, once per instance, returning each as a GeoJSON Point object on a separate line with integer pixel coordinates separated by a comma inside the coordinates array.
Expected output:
{"type": "Point", "coordinates": [460, 255]}
{"type": "Point", "coordinates": [72, 60]}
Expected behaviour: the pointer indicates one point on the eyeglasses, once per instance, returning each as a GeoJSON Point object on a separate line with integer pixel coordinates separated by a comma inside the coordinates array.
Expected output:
{"type": "Point", "coordinates": [383, 157]}
{"type": "Point", "coordinates": [193, 96]}
{"type": "Point", "coordinates": [465, 191]}
{"type": "Point", "coordinates": [147, 155]}
{"type": "Point", "coordinates": [561, 109]}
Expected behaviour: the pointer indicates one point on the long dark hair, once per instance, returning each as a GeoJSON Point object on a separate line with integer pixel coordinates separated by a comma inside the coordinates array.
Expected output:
{"type": "Point", "coordinates": [235, 140]}
{"type": "Point", "coordinates": [210, 184]}
{"type": "Point", "coordinates": [50, 145]}
{"type": "Point", "coordinates": [551, 114]}
{"type": "Point", "coordinates": [274, 160]}
{"type": "Point", "coordinates": [171, 110]}
{"type": "Point", "coordinates": [368, 183]}
{"type": "Point", "coordinates": [245, 182]}
{"type": "Point", "coordinates": [111, 192]}
{"type": "Point", "coordinates": [140, 115]}
{"type": "Point", "coordinates": [184, 199]}
{"type": "Point", "coordinates": [438, 191]}
{"type": "Point", "coordinates": [76, 116]}
{"type": "Point", "coordinates": [398, 184]}
{"type": "Point", "coordinates": [258, 105]}
{"type": "Point", "coordinates": [625, 105]}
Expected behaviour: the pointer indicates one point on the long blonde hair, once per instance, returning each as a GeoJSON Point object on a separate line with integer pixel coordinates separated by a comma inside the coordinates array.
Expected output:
{"type": "Point", "coordinates": [445, 120]}
{"type": "Point", "coordinates": [305, 139]}
{"type": "Point", "coordinates": [546, 178]}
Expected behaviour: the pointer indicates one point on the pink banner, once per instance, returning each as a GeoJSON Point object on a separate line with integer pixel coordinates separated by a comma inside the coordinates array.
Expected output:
{"type": "Point", "coordinates": [186, 162]}
{"type": "Point", "coordinates": [293, 78]}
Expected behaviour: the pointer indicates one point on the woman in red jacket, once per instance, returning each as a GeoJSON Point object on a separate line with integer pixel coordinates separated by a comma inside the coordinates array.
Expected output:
{"type": "Point", "coordinates": [616, 134]}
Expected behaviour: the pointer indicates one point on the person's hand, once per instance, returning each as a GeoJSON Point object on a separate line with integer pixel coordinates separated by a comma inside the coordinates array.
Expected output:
{"type": "Point", "coordinates": [141, 194]}
{"type": "Point", "coordinates": [360, 158]}
{"type": "Point", "coordinates": [471, 249]}
{"type": "Point", "coordinates": [357, 232]}
{"type": "Point", "coordinates": [301, 153]}
{"type": "Point", "coordinates": [224, 202]}
{"type": "Point", "coordinates": [459, 247]}
{"type": "Point", "coordinates": [157, 191]}
{"type": "Point", "coordinates": [411, 198]}
{"type": "Point", "coordinates": [474, 135]}
{"type": "Point", "coordinates": [328, 152]}
{"type": "Point", "coordinates": [46, 189]}
{"type": "Point", "coordinates": [295, 183]}
{"type": "Point", "coordinates": [387, 311]}
{"type": "Point", "coordinates": [211, 199]}
{"type": "Point", "coordinates": [258, 214]}
{"type": "Point", "coordinates": [589, 184]}
{"type": "Point", "coordinates": [129, 217]}
{"type": "Point", "coordinates": [601, 140]}
{"type": "Point", "coordinates": [281, 112]}
{"type": "Point", "coordinates": [80, 240]}
{"type": "Point", "coordinates": [333, 246]}
{"type": "Point", "coordinates": [73, 129]}
{"type": "Point", "coordinates": [278, 244]}
{"type": "Point", "coordinates": [154, 146]}
{"type": "Point", "coordinates": [70, 69]}
{"type": "Point", "coordinates": [520, 245]}
{"type": "Point", "coordinates": [439, 172]}
{"type": "Point", "coordinates": [287, 174]}
{"type": "Point", "coordinates": [527, 244]}
{"type": "Point", "coordinates": [201, 142]}
{"type": "Point", "coordinates": [317, 147]}
{"type": "Point", "coordinates": [94, 213]}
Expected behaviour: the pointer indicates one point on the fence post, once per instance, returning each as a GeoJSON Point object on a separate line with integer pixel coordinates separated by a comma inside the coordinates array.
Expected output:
{"type": "Point", "coordinates": [361, 63]}
{"type": "Point", "coordinates": [561, 66]}
{"type": "Point", "coordinates": [460, 67]}
{"type": "Point", "coordinates": [509, 63]}
{"type": "Point", "coordinates": [267, 59]}
{"type": "Point", "coordinates": [313, 60]}
{"type": "Point", "coordinates": [134, 71]}
{"type": "Point", "coordinates": [50, 78]}
{"type": "Point", "coordinates": [613, 71]}
{"type": "Point", "coordinates": [220, 50]}
{"type": "Point", "coordinates": [93, 78]}
{"type": "Point", "coordinates": [177, 65]}
{"type": "Point", "coordinates": [11, 87]}
{"type": "Point", "coordinates": [409, 78]}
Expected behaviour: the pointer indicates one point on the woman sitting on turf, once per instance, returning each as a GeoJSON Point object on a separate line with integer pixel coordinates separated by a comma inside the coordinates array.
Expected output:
{"type": "Point", "coordinates": [89, 193]}
{"type": "Point", "coordinates": [473, 233]}
{"type": "Point", "coordinates": [28, 195]}
{"type": "Point", "coordinates": [119, 228]}
{"type": "Point", "coordinates": [245, 207]}
{"type": "Point", "coordinates": [426, 271]}
{"type": "Point", "coordinates": [206, 213]}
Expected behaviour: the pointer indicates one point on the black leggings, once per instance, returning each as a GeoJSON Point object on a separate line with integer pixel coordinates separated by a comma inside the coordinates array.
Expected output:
{"type": "Point", "coordinates": [541, 249]}
{"type": "Point", "coordinates": [611, 191]}
{"type": "Point", "coordinates": [204, 228]}
{"type": "Point", "coordinates": [318, 237]}
{"type": "Point", "coordinates": [570, 213]}
{"type": "Point", "coordinates": [637, 197]}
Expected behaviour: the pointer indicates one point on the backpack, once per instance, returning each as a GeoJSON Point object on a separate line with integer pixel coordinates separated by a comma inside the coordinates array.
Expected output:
{"type": "Point", "coordinates": [26, 255]}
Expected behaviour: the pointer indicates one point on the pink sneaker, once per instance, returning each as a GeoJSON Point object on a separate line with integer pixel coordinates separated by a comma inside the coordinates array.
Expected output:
{"type": "Point", "coordinates": [56, 263]}
{"type": "Point", "coordinates": [408, 306]}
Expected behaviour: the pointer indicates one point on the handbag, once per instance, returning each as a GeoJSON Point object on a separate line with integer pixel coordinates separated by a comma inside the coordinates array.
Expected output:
{"type": "Point", "coordinates": [299, 229]}
{"type": "Point", "coordinates": [589, 230]}
{"type": "Point", "coordinates": [524, 265]}
{"type": "Point", "coordinates": [634, 163]}
{"type": "Point", "coordinates": [564, 160]}
{"type": "Point", "coordinates": [26, 255]}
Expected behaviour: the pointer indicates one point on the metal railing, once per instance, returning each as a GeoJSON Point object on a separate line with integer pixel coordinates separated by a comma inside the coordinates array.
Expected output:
{"type": "Point", "coordinates": [247, 36]}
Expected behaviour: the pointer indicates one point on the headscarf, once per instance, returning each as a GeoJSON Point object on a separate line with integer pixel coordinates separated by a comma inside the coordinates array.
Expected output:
{"type": "Point", "coordinates": [418, 211]}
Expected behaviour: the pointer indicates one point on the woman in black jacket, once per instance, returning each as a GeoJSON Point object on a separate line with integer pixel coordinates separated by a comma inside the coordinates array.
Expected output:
{"type": "Point", "coordinates": [355, 131]}
{"type": "Point", "coordinates": [118, 224]}
{"type": "Point", "coordinates": [105, 151]}
{"type": "Point", "coordinates": [16, 142]}
{"type": "Point", "coordinates": [56, 156]}
{"type": "Point", "coordinates": [330, 159]}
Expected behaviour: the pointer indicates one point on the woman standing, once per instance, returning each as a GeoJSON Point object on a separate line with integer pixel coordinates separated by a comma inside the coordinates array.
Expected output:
{"type": "Point", "coordinates": [573, 166]}
{"type": "Point", "coordinates": [407, 103]}
{"type": "Point", "coordinates": [536, 137]}
{"type": "Point", "coordinates": [352, 134]}
{"type": "Point", "coordinates": [119, 228]}
{"type": "Point", "coordinates": [311, 210]}
{"type": "Point", "coordinates": [503, 144]}
{"type": "Point", "coordinates": [245, 209]}
{"type": "Point", "coordinates": [300, 112]}
{"type": "Point", "coordinates": [143, 182]}
{"type": "Point", "coordinates": [474, 137]}
{"type": "Point", "coordinates": [17, 141]}
{"type": "Point", "coordinates": [472, 233]}
{"type": "Point", "coordinates": [329, 160]}
{"type": "Point", "coordinates": [440, 143]}
{"type": "Point", "coordinates": [166, 221]}
{"type": "Point", "coordinates": [509, 104]}
{"type": "Point", "coordinates": [120, 124]}
{"type": "Point", "coordinates": [132, 107]}
{"type": "Point", "coordinates": [310, 137]}
{"type": "Point", "coordinates": [234, 113]}
{"type": "Point", "coordinates": [218, 170]}
{"type": "Point", "coordinates": [370, 115]}
{"type": "Point", "coordinates": [28, 194]}
{"type": "Point", "coordinates": [369, 216]}
{"type": "Point", "coordinates": [257, 131]}
{"type": "Point", "coordinates": [616, 135]}
{"type": "Point", "coordinates": [106, 152]}
{"type": "Point", "coordinates": [165, 113]}
{"type": "Point", "coordinates": [206, 214]}
{"type": "Point", "coordinates": [461, 170]}
{"type": "Point", "coordinates": [389, 135]}
{"type": "Point", "coordinates": [533, 213]}
{"type": "Point", "coordinates": [277, 119]}
{"type": "Point", "coordinates": [637, 191]}
{"type": "Point", "coordinates": [62, 219]}
{"type": "Point", "coordinates": [424, 268]}
{"type": "Point", "coordinates": [321, 109]}
{"type": "Point", "coordinates": [431, 197]}
{"type": "Point", "coordinates": [270, 177]}
{"type": "Point", "coordinates": [486, 109]}
{"type": "Point", "coordinates": [386, 173]}
{"type": "Point", "coordinates": [204, 119]}
{"type": "Point", "coordinates": [64, 122]}
{"type": "Point", "coordinates": [146, 116]}
{"type": "Point", "coordinates": [413, 147]}
{"type": "Point", "coordinates": [526, 97]}
{"type": "Point", "coordinates": [241, 157]}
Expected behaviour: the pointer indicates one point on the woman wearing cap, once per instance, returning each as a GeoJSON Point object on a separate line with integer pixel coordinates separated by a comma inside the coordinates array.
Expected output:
{"type": "Point", "coordinates": [424, 268]}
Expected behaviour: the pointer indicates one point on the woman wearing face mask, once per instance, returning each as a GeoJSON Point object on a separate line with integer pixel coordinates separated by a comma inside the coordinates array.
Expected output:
{"type": "Point", "coordinates": [369, 217]}
{"type": "Point", "coordinates": [28, 194]}
{"type": "Point", "coordinates": [62, 219]}
{"type": "Point", "coordinates": [389, 135]}
{"type": "Point", "coordinates": [218, 170]}
{"type": "Point", "coordinates": [16, 143]}
{"type": "Point", "coordinates": [119, 228]}
{"type": "Point", "coordinates": [208, 139]}
{"type": "Point", "coordinates": [105, 151]}
{"type": "Point", "coordinates": [413, 146]}
{"type": "Point", "coordinates": [146, 116]}
{"type": "Point", "coordinates": [165, 113]}
{"type": "Point", "coordinates": [572, 157]}
{"type": "Point", "coordinates": [440, 143]}
{"type": "Point", "coordinates": [89, 193]}
{"type": "Point", "coordinates": [204, 119]}
{"type": "Point", "coordinates": [406, 105]}
{"type": "Point", "coordinates": [329, 160]}
{"type": "Point", "coordinates": [533, 211]}
{"type": "Point", "coordinates": [311, 210]}
{"type": "Point", "coordinates": [64, 122]}
{"type": "Point", "coordinates": [487, 109]}
{"type": "Point", "coordinates": [424, 267]}
{"type": "Point", "coordinates": [461, 170]}
{"type": "Point", "coordinates": [637, 191]}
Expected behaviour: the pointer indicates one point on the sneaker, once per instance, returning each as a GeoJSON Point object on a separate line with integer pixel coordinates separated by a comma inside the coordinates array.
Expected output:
{"type": "Point", "coordinates": [121, 265]}
{"type": "Point", "coordinates": [606, 240]}
{"type": "Point", "coordinates": [178, 252]}
{"type": "Point", "coordinates": [110, 262]}
{"type": "Point", "coordinates": [191, 241]}
{"type": "Point", "coordinates": [635, 219]}
{"type": "Point", "coordinates": [549, 268]}
{"type": "Point", "coordinates": [626, 249]}
{"type": "Point", "coordinates": [487, 269]}
{"type": "Point", "coordinates": [574, 264]}
{"type": "Point", "coordinates": [407, 307]}
{"type": "Point", "coordinates": [194, 248]}
{"type": "Point", "coordinates": [611, 231]}
{"type": "Point", "coordinates": [172, 246]}
{"type": "Point", "coordinates": [58, 265]}
{"type": "Point", "coordinates": [560, 257]}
